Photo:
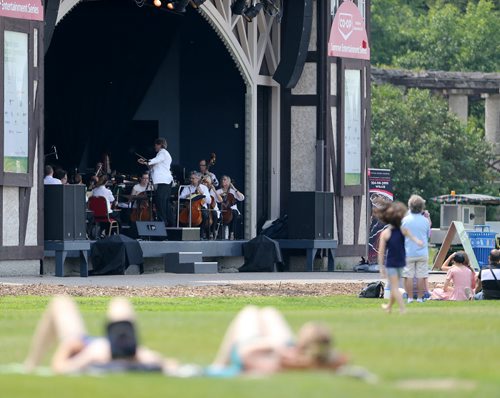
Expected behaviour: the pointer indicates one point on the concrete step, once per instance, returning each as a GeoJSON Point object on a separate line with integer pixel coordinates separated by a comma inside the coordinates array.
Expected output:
{"type": "Point", "coordinates": [183, 257]}
{"type": "Point", "coordinates": [197, 267]}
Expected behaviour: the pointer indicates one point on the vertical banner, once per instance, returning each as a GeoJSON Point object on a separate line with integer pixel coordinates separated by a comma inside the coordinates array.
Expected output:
{"type": "Point", "coordinates": [15, 102]}
{"type": "Point", "coordinates": [352, 127]}
{"type": "Point", "coordinates": [380, 191]}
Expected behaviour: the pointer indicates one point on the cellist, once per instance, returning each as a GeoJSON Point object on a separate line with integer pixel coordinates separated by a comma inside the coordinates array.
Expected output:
{"type": "Point", "coordinates": [197, 188]}
{"type": "Point", "coordinates": [215, 213]}
{"type": "Point", "coordinates": [227, 191]}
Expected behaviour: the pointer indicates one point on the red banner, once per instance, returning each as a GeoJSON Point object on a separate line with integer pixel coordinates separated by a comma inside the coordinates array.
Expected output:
{"type": "Point", "coordinates": [22, 9]}
{"type": "Point", "coordinates": [348, 38]}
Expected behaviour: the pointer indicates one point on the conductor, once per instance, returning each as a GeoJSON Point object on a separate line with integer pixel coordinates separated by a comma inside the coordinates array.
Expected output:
{"type": "Point", "coordinates": [162, 179]}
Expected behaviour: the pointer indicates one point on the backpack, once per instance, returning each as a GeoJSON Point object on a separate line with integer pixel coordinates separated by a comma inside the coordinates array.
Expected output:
{"type": "Point", "coordinates": [373, 290]}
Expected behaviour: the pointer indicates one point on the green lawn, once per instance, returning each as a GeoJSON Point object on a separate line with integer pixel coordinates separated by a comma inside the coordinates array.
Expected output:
{"type": "Point", "coordinates": [433, 341]}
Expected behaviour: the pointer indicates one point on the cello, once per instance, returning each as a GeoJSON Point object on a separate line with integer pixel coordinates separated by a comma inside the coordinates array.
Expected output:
{"type": "Point", "coordinates": [194, 208]}
{"type": "Point", "coordinates": [228, 200]}
{"type": "Point", "coordinates": [142, 211]}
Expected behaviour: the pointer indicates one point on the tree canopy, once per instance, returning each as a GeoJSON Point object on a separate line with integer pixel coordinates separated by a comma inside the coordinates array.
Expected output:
{"type": "Point", "coordinates": [428, 150]}
{"type": "Point", "coordinates": [436, 35]}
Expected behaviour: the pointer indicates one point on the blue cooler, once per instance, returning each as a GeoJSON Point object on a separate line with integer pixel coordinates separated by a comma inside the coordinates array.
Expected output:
{"type": "Point", "coordinates": [482, 243]}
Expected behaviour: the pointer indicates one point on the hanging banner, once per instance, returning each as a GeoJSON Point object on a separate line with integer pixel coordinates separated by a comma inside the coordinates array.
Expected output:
{"type": "Point", "coordinates": [348, 38]}
{"type": "Point", "coordinates": [380, 191]}
{"type": "Point", "coordinates": [22, 9]}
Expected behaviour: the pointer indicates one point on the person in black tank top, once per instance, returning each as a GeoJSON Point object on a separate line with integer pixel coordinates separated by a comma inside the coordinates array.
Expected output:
{"type": "Point", "coordinates": [392, 248]}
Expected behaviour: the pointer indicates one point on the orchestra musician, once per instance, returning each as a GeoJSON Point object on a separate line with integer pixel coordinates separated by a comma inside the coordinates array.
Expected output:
{"type": "Point", "coordinates": [101, 190]}
{"type": "Point", "coordinates": [162, 179]}
{"type": "Point", "coordinates": [197, 188]}
{"type": "Point", "coordinates": [204, 170]}
{"type": "Point", "coordinates": [227, 188]}
{"type": "Point", "coordinates": [142, 186]}
{"type": "Point", "coordinates": [214, 208]}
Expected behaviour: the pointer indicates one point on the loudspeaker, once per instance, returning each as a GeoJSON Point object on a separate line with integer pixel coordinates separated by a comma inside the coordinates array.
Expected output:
{"type": "Point", "coordinates": [310, 215]}
{"type": "Point", "coordinates": [155, 229]}
{"type": "Point", "coordinates": [296, 33]}
{"type": "Point", "coordinates": [64, 214]}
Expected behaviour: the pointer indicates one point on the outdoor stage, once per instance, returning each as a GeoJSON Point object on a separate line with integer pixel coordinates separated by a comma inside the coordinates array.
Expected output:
{"type": "Point", "coordinates": [213, 249]}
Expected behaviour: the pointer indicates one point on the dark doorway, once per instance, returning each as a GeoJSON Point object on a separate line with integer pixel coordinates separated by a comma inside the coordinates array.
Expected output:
{"type": "Point", "coordinates": [117, 75]}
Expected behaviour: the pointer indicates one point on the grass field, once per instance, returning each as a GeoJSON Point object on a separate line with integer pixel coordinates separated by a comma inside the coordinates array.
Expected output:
{"type": "Point", "coordinates": [432, 343]}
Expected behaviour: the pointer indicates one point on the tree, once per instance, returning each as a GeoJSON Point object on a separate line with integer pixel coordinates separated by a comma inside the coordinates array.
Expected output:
{"type": "Point", "coordinates": [447, 39]}
{"type": "Point", "coordinates": [436, 34]}
{"type": "Point", "coordinates": [427, 149]}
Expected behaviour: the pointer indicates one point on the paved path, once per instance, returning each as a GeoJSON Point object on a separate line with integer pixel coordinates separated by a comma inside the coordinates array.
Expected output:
{"type": "Point", "coordinates": [164, 279]}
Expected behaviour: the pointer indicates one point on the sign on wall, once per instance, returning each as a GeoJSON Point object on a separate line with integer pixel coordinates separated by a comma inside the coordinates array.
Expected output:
{"type": "Point", "coordinates": [352, 127]}
{"type": "Point", "coordinates": [15, 104]}
{"type": "Point", "coordinates": [348, 38]}
{"type": "Point", "coordinates": [22, 9]}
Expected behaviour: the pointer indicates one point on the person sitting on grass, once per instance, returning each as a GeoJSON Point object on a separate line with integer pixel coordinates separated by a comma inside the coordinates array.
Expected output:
{"type": "Point", "coordinates": [392, 239]}
{"type": "Point", "coordinates": [461, 275]}
{"type": "Point", "coordinates": [261, 341]}
{"type": "Point", "coordinates": [79, 352]}
{"type": "Point", "coordinates": [488, 279]}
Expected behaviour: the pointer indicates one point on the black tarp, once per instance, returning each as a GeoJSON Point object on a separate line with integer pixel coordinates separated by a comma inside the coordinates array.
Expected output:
{"type": "Point", "coordinates": [113, 255]}
{"type": "Point", "coordinates": [262, 254]}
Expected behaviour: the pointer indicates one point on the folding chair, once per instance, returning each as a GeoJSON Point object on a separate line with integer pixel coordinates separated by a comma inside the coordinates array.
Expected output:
{"type": "Point", "coordinates": [99, 206]}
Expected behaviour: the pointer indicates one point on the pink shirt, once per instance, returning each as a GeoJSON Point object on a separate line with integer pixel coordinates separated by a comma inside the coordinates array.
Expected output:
{"type": "Point", "coordinates": [461, 277]}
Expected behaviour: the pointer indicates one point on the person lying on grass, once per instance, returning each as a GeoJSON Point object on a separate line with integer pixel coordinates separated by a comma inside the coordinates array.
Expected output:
{"type": "Point", "coordinates": [261, 341]}
{"type": "Point", "coordinates": [78, 352]}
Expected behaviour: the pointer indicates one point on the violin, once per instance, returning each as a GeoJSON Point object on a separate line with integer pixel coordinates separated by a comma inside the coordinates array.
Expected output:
{"type": "Point", "coordinates": [195, 208]}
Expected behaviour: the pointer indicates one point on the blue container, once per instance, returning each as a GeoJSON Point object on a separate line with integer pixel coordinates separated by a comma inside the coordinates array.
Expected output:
{"type": "Point", "coordinates": [482, 243]}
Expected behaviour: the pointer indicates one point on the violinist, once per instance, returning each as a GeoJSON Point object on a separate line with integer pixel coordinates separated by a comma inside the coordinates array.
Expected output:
{"type": "Point", "coordinates": [230, 195]}
{"type": "Point", "coordinates": [214, 208]}
{"type": "Point", "coordinates": [204, 170]}
{"type": "Point", "coordinates": [101, 190]}
{"type": "Point", "coordinates": [162, 179]}
{"type": "Point", "coordinates": [197, 188]}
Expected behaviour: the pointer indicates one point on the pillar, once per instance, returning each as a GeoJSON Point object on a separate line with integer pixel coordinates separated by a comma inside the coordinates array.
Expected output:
{"type": "Point", "coordinates": [458, 104]}
{"type": "Point", "coordinates": [492, 120]}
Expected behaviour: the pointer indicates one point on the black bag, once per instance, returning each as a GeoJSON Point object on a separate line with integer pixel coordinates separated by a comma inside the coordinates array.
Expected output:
{"type": "Point", "coordinates": [373, 290]}
{"type": "Point", "coordinates": [278, 229]}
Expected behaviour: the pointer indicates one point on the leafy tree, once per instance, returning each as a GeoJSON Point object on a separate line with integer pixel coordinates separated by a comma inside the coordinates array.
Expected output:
{"type": "Point", "coordinates": [436, 34]}
{"type": "Point", "coordinates": [428, 150]}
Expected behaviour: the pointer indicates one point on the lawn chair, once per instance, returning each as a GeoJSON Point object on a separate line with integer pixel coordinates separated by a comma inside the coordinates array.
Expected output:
{"type": "Point", "coordinates": [99, 206]}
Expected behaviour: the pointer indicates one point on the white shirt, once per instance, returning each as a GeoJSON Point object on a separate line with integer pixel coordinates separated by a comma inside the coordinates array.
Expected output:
{"type": "Point", "coordinates": [161, 167]}
{"type": "Point", "coordinates": [186, 191]}
{"type": "Point", "coordinates": [138, 188]}
{"type": "Point", "coordinates": [49, 180]}
{"type": "Point", "coordinates": [106, 193]}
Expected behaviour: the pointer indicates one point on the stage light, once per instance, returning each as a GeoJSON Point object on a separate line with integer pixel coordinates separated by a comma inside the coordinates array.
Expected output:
{"type": "Point", "coordinates": [157, 3]}
{"type": "Point", "coordinates": [197, 3]}
{"type": "Point", "coordinates": [238, 7]}
{"type": "Point", "coordinates": [170, 5]}
{"type": "Point", "coordinates": [252, 11]}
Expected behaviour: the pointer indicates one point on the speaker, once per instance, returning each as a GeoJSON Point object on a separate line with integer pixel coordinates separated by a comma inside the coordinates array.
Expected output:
{"type": "Point", "coordinates": [152, 229]}
{"type": "Point", "coordinates": [310, 215]}
{"type": "Point", "coordinates": [64, 215]}
{"type": "Point", "coordinates": [296, 33]}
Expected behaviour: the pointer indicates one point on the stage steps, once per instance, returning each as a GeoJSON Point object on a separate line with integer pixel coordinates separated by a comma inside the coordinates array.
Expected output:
{"type": "Point", "coordinates": [188, 263]}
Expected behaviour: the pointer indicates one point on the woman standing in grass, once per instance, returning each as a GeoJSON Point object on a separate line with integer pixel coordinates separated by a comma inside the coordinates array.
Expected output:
{"type": "Point", "coordinates": [392, 241]}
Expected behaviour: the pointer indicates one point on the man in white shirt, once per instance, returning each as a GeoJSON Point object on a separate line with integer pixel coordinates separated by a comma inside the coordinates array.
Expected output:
{"type": "Point", "coordinates": [162, 179]}
{"type": "Point", "coordinates": [101, 190]}
{"type": "Point", "coordinates": [49, 177]}
{"type": "Point", "coordinates": [197, 188]}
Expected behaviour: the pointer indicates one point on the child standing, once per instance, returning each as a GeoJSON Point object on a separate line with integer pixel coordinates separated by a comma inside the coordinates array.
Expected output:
{"type": "Point", "coordinates": [392, 247]}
